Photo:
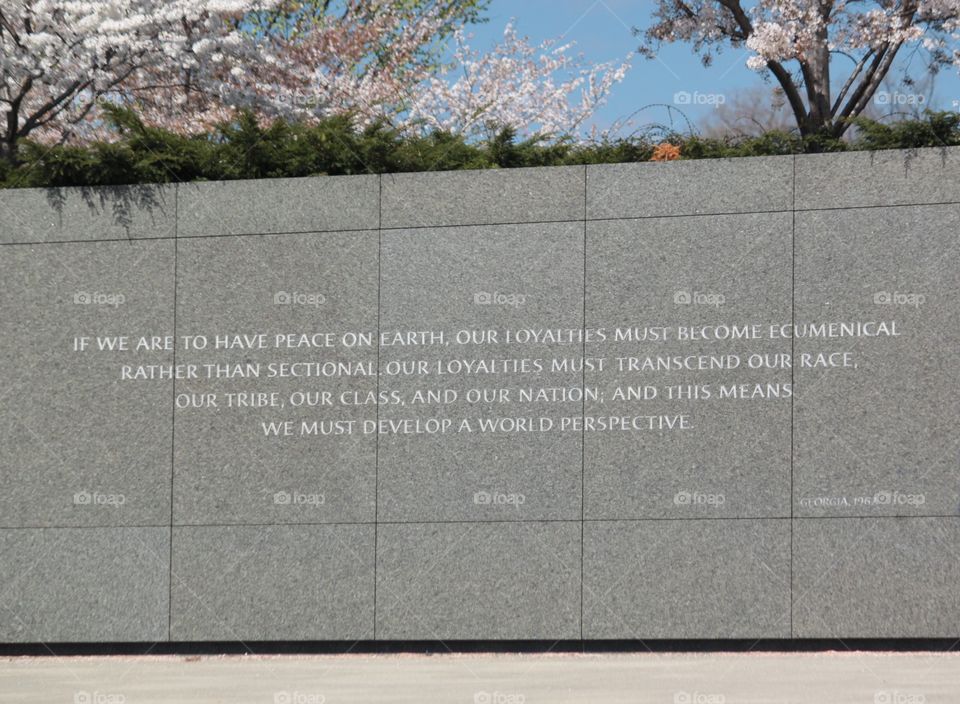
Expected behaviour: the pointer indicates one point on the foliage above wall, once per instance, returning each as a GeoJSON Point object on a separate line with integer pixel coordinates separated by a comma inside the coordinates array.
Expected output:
{"type": "Point", "coordinates": [242, 149]}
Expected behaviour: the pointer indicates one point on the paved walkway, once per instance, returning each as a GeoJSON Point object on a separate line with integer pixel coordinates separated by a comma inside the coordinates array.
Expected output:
{"type": "Point", "coordinates": [821, 678]}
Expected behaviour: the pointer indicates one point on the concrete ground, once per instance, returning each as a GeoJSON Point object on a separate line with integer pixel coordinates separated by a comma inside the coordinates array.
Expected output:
{"type": "Point", "coordinates": [817, 678]}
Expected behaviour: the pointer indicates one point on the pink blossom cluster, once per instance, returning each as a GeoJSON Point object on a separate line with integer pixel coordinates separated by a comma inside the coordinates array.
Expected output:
{"type": "Point", "coordinates": [187, 64]}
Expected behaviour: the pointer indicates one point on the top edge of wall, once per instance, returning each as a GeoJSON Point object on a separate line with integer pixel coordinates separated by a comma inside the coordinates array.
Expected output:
{"type": "Point", "coordinates": [481, 196]}
{"type": "Point", "coordinates": [878, 178]}
{"type": "Point", "coordinates": [696, 187]}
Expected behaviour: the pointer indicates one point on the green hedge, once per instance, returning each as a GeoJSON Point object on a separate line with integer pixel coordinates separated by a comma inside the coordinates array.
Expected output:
{"type": "Point", "coordinates": [241, 149]}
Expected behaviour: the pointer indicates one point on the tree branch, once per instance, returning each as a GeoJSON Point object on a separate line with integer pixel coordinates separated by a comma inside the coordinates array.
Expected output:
{"type": "Point", "coordinates": [849, 82]}
{"type": "Point", "coordinates": [35, 118]}
{"type": "Point", "coordinates": [776, 68]}
{"type": "Point", "coordinates": [878, 69]}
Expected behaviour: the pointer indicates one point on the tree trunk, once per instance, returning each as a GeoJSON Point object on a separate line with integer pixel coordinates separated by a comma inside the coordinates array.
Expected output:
{"type": "Point", "coordinates": [815, 66]}
{"type": "Point", "coordinates": [8, 145]}
{"type": "Point", "coordinates": [817, 75]}
{"type": "Point", "coordinates": [8, 152]}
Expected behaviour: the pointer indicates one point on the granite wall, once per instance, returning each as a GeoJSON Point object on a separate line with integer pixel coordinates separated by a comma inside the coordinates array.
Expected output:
{"type": "Point", "coordinates": [711, 399]}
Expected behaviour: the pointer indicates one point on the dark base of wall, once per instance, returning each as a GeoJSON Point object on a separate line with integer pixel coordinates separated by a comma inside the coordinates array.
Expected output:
{"type": "Point", "coordinates": [434, 647]}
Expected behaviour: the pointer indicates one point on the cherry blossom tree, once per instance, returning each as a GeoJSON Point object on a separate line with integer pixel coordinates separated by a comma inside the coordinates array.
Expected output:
{"type": "Point", "coordinates": [185, 65]}
{"type": "Point", "coordinates": [61, 56]}
{"type": "Point", "coordinates": [796, 42]}
{"type": "Point", "coordinates": [363, 61]}
{"type": "Point", "coordinates": [329, 69]}
{"type": "Point", "coordinates": [539, 90]}
{"type": "Point", "coordinates": [317, 59]}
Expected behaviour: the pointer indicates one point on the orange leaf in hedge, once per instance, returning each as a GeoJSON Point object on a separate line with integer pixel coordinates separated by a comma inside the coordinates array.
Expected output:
{"type": "Point", "coordinates": [666, 152]}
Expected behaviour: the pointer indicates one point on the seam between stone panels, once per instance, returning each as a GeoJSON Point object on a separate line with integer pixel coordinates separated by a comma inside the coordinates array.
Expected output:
{"type": "Point", "coordinates": [876, 206]}
{"type": "Point", "coordinates": [484, 224]}
{"type": "Point", "coordinates": [382, 229]}
{"type": "Point", "coordinates": [793, 322]}
{"type": "Point", "coordinates": [195, 237]}
{"type": "Point", "coordinates": [925, 517]}
{"type": "Point", "coordinates": [176, 210]}
{"type": "Point", "coordinates": [173, 425]}
{"type": "Point", "coordinates": [376, 454]}
{"type": "Point", "coordinates": [638, 520]}
{"type": "Point", "coordinates": [311, 231]}
{"type": "Point", "coordinates": [583, 403]}
{"type": "Point", "coordinates": [790, 209]}
{"type": "Point", "coordinates": [693, 215]}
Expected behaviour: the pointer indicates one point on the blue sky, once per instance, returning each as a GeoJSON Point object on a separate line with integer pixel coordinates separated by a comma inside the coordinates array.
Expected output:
{"type": "Point", "coordinates": [601, 30]}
